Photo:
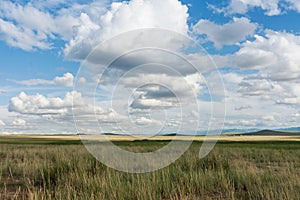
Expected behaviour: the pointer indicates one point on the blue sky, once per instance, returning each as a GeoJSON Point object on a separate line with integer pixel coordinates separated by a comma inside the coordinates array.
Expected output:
{"type": "Point", "coordinates": [254, 44]}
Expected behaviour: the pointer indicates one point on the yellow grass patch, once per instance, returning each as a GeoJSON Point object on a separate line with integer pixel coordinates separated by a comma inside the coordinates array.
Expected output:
{"type": "Point", "coordinates": [160, 138]}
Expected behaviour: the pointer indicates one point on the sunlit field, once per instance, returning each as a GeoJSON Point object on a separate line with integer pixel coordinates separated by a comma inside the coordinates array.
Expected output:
{"type": "Point", "coordinates": [54, 168]}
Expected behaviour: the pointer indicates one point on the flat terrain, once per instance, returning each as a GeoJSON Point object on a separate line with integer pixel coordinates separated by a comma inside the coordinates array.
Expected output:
{"type": "Point", "coordinates": [59, 167]}
{"type": "Point", "coordinates": [54, 139]}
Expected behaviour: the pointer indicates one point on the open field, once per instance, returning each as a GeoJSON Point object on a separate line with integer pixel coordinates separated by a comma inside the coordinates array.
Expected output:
{"type": "Point", "coordinates": [49, 139]}
{"type": "Point", "coordinates": [57, 167]}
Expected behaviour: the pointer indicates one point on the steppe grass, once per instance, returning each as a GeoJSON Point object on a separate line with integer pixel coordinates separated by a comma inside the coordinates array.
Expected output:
{"type": "Point", "coordinates": [233, 170]}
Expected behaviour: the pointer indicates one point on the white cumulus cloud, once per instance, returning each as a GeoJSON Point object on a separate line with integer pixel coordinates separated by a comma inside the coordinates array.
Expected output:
{"type": "Point", "coordinates": [294, 5]}
{"type": "Point", "coordinates": [2, 123]}
{"type": "Point", "coordinates": [125, 16]}
{"type": "Point", "coordinates": [19, 122]}
{"type": "Point", "coordinates": [41, 105]}
{"type": "Point", "coordinates": [23, 38]}
{"type": "Point", "coordinates": [66, 81]}
{"type": "Point", "coordinates": [270, 7]}
{"type": "Point", "coordinates": [227, 34]}
{"type": "Point", "coordinates": [34, 24]}
{"type": "Point", "coordinates": [275, 55]}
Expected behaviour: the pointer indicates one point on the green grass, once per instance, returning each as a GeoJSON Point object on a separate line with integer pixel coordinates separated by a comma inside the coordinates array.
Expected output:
{"type": "Point", "coordinates": [39, 141]}
{"type": "Point", "coordinates": [233, 170]}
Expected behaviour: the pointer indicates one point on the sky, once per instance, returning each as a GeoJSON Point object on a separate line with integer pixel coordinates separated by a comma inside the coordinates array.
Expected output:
{"type": "Point", "coordinates": [71, 66]}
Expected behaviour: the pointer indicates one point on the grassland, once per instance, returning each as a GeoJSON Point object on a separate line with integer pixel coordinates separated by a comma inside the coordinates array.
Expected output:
{"type": "Point", "coordinates": [57, 168]}
{"type": "Point", "coordinates": [75, 139]}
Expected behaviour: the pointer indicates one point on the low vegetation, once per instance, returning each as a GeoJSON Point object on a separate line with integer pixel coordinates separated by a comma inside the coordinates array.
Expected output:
{"type": "Point", "coordinates": [233, 170]}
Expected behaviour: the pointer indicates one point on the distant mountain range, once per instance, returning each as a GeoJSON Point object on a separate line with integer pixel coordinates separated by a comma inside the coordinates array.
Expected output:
{"type": "Point", "coordinates": [272, 133]}
{"type": "Point", "coordinates": [225, 131]}
{"type": "Point", "coordinates": [282, 131]}
{"type": "Point", "coordinates": [293, 131]}
{"type": "Point", "coordinates": [296, 129]}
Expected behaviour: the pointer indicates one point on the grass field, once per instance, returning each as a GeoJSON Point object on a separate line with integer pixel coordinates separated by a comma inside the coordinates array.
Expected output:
{"type": "Point", "coordinates": [58, 168]}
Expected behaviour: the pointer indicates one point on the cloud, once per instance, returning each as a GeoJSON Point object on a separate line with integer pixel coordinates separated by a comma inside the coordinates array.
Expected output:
{"type": "Point", "coordinates": [32, 82]}
{"type": "Point", "coordinates": [60, 110]}
{"type": "Point", "coordinates": [143, 103]}
{"type": "Point", "coordinates": [164, 85]}
{"type": "Point", "coordinates": [242, 107]}
{"type": "Point", "coordinates": [251, 96]}
{"type": "Point", "coordinates": [2, 123]}
{"type": "Point", "coordinates": [160, 78]}
{"type": "Point", "coordinates": [19, 122]}
{"type": "Point", "coordinates": [270, 7]}
{"type": "Point", "coordinates": [227, 34]}
{"type": "Point", "coordinates": [259, 87]}
{"type": "Point", "coordinates": [40, 105]}
{"type": "Point", "coordinates": [270, 53]}
{"type": "Point", "coordinates": [289, 101]}
{"type": "Point", "coordinates": [35, 24]}
{"type": "Point", "coordinates": [23, 38]}
{"type": "Point", "coordinates": [84, 40]}
{"type": "Point", "coordinates": [268, 118]}
{"type": "Point", "coordinates": [159, 97]}
{"type": "Point", "coordinates": [57, 113]}
{"type": "Point", "coordinates": [81, 80]}
{"type": "Point", "coordinates": [290, 96]}
{"type": "Point", "coordinates": [143, 121]}
{"type": "Point", "coordinates": [66, 81]}
{"type": "Point", "coordinates": [294, 5]}
{"type": "Point", "coordinates": [272, 87]}
{"type": "Point", "coordinates": [125, 16]}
